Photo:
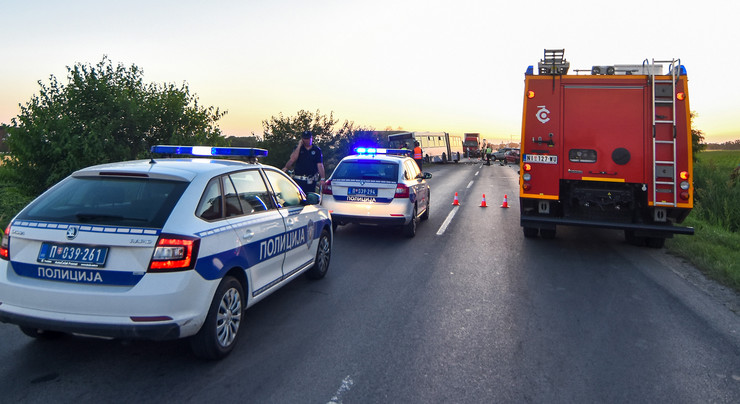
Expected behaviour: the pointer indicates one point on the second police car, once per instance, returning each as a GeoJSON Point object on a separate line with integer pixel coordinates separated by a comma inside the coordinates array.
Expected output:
{"type": "Point", "coordinates": [378, 187]}
{"type": "Point", "coordinates": [160, 249]}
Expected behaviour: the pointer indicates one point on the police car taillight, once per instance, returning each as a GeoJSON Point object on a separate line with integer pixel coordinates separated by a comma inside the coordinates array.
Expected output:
{"type": "Point", "coordinates": [402, 191]}
{"type": "Point", "coordinates": [326, 189]}
{"type": "Point", "coordinates": [4, 246]}
{"type": "Point", "coordinates": [174, 253]}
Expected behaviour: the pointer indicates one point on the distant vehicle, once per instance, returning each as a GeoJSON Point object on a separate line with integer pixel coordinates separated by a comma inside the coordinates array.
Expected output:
{"type": "Point", "coordinates": [500, 154]}
{"type": "Point", "coordinates": [471, 145]}
{"type": "Point", "coordinates": [438, 147]}
{"type": "Point", "coordinates": [160, 249]}
{"type": "Point", "coordinates": [381, 187]}
{"type": "Point", "coordinates": [609, 148]}
{"type": "Point", "coordinates": [512, 156]}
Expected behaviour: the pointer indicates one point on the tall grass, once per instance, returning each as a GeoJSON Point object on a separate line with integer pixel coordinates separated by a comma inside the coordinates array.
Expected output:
{"type": "Point", "coordinates": [715, 246]}
{"type": "Point", "coordinates": [717, 187]}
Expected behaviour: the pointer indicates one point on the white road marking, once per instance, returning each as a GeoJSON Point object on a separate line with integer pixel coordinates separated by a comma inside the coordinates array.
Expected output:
{"type": "Point", "coordinates": [346, 385]}
{"type": "Point", "coordinates": [447, 221]}
{"type": "Point", "coordinates": [470, 184]}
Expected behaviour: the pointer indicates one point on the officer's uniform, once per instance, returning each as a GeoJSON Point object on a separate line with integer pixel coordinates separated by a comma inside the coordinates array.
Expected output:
{"type": "Point", "coordinates": [306, 173]}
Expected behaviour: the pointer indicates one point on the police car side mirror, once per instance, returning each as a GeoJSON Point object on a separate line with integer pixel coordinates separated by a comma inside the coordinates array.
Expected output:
{"type": "Point", "coordinates": [312, 198]}
{"type": "Point", "coordinates": [427, 176]}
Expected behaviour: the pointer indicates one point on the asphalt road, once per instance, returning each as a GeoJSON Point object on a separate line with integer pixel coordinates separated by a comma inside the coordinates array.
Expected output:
{"type": "Point", "coordinates": [468, 311]}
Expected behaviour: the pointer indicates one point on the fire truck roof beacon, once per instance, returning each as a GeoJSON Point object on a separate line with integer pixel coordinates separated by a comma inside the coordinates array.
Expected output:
{"type": "Point", "coordinates": [553, 63]}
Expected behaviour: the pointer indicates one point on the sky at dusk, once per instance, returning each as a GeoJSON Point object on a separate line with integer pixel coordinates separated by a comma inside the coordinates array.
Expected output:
{"type": "Point", "coordinates": [419, 65]}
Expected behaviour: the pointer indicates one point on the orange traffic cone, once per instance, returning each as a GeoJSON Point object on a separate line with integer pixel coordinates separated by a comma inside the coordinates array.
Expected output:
{"type": "Point", "coordinates": [506, 202]}
{"type": "Point", "coordinates": [483, 204]}
{"type": "Point", "coordinates": [455, 202]}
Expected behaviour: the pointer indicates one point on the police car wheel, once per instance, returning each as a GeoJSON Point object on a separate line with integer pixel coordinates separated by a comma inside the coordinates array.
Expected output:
{"type": "Point", "coordinates": [425, 215]}
{"type": "Point", "coordinates": [40, 334]}
{"type": "Point", "coordinates": [323, 256]}
{"type": "Point", "coordinates": [409, 229]}
{"type": "Point", "coordinates": [218, 335]}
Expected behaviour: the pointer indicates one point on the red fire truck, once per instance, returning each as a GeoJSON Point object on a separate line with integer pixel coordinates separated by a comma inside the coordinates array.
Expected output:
{"type": "Point", "coordinates": [606, 147]}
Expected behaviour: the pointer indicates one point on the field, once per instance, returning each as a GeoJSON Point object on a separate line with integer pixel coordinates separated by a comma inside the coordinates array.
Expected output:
{"type": "Point", "coordinates": [715, 246]}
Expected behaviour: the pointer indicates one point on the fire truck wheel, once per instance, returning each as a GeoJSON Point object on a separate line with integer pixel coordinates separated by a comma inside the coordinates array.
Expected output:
{"type": "Point", "coordinates": [547, 233]}
{"type": "Point", "coordinates": [530, 232]}
{"type": "Point", "coordinates": [655, 242]}
{"type": "Point", "coordinates": [630, 238]}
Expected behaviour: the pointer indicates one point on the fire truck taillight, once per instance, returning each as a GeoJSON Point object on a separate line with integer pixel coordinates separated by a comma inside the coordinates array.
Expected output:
{"type": "Point", "coordinates": [680, 96]}
{"type": "Point", "coordinates": [526, 176]}
{"type": "Point", "coordinates": [684, 175]}
{"type": "Point", "coordinates": [526, 186]}
{"type": "Point", "coordinates": [530, 94]}
{"type": "Point", "coordinates": [527, 167]}
{"type": "Point", "coordinates": [685, 196]}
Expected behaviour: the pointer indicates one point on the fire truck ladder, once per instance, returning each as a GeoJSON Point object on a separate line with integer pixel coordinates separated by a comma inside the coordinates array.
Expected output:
{"type": "Point", "coordinates": [664, 169]}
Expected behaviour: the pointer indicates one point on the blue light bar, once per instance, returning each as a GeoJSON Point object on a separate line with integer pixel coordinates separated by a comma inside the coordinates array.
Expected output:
{"type": "Point", "coordinates": [209, 151]}
{"type": "Point", "coordinates": [377, 150]}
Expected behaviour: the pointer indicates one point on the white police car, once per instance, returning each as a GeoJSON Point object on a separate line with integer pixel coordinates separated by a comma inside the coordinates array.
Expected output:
{"type": "Point", "coordinates": [160, 249]}
{"type": "Point", "coordinates": [378, 187]}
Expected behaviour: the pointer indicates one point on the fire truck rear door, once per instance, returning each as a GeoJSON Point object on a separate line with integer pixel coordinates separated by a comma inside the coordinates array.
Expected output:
{"type": "Point", "coordinates": [604, 133]}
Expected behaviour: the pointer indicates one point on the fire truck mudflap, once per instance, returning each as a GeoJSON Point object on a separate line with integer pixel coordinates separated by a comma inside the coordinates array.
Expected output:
{"type": "Point", "coordinates": [610, 148]}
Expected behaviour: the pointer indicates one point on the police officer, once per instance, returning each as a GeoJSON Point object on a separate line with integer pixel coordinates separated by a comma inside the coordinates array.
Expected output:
{"type": "Point", "coordinates": [418, 154]}
{"type": "Point", "coordinates": [309, 164]}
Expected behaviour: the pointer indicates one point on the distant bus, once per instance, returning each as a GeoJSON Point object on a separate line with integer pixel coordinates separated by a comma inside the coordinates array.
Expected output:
{"type": "Point", "coordinates": [438, 147]}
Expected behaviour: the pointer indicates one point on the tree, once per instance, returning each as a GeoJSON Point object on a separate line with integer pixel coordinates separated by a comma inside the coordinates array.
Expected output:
{"type": "Point", "coordinates": [697, 137]}
{"type": "Point", "coordinates": [282, 134]}
{"type": "Point", "coordinates": [104, 113]}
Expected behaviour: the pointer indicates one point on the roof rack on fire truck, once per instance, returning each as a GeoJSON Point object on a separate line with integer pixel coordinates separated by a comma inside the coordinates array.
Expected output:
{"type": "Point", "coordinates": [553, 63]}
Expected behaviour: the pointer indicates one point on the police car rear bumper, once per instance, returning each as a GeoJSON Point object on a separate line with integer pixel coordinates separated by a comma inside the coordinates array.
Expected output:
{"type": "Point", "coordinates": [161, 331]}
{"type": "Point", "coordinates": [374, 220]}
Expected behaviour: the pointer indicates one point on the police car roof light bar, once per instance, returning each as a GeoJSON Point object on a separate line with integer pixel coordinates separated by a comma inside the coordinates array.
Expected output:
{"type": "Point", "coordinates": [209, 151]}
{"type": "Point", "coordinates": [376, 150]}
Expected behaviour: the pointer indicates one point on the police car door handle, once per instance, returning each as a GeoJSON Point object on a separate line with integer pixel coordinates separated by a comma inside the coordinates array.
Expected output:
{"type": "Point", "coordinates": [290, 221]}
{"type": "Point", "coordinates": [248, 235]}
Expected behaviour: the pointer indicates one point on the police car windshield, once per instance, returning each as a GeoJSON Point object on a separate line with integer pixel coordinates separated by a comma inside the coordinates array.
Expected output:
{"type": "Point", "coordinates": [367, 170]}
{"type": "Point", "coordinates": [139, 202]}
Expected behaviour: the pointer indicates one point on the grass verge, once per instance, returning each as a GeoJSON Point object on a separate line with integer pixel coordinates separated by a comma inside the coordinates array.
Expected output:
{"type": "Point", "coordinates": [713, 250]}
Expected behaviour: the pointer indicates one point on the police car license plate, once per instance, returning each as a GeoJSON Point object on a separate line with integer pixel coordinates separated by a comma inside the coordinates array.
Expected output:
{"type": "Point", "coordinates": [362, 191]}
{"type": "Point", "coordinates": [74, 255]}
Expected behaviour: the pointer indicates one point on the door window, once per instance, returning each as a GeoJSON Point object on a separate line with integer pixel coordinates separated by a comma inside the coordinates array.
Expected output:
{"type": "Point", "coordinates": [285, 191]}
{"type": "Point", "coordinates": [252, 192]}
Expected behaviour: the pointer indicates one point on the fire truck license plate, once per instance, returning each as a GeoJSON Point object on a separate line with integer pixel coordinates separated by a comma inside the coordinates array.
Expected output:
{"type": "Point", "coordinates": [540, 158]}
